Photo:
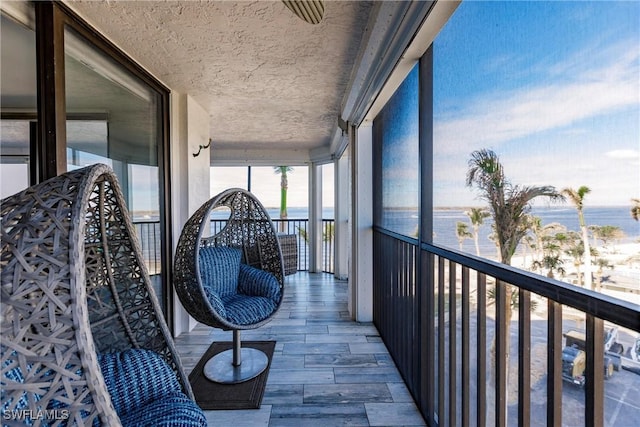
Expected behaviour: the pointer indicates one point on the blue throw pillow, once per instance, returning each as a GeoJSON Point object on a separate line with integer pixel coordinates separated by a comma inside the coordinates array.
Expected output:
{"type": "Point", "coordinates": [219, 269]}
{"type": "Point", "coordinates": [256, 282]}
{"type": "Point", "coordinates": [135, 378]}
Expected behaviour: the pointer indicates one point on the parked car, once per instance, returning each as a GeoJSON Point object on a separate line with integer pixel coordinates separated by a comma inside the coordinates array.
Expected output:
{"type": "Point", "coordinates": [574, 357]}
{"type": "Point", "coordinates": [612, 347]}
{"type": "Point", "coordinates": [634, 351]}
{"type": "Point", "coordinates": [632, 360]}
{"type": "Point", "coordinates": [574, 362]}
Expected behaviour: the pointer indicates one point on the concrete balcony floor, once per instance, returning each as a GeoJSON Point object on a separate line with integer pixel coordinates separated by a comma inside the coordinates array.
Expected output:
{"type": "Point", "coordinates": [327, 370]}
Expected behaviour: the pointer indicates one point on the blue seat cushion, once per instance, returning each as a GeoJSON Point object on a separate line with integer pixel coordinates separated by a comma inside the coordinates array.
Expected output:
{"type": "Point", "coordinates": [219, 268]}
{"type": "Point", "coordinates": [216, 302]}
{"type": "Point", "coordinates": [247, 310]}
{"type": "Point", "coordinates": [256, 282]}
{"type": "Point", "coordinates": [140, 381]}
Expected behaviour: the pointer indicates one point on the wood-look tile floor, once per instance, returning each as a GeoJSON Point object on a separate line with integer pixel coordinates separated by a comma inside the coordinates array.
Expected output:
{"type": "Point", "coordinates": [327, 370]}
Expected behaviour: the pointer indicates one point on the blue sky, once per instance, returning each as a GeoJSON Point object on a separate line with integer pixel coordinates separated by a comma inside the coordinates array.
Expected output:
{"type": "Point", "coordinates": [552, 87]}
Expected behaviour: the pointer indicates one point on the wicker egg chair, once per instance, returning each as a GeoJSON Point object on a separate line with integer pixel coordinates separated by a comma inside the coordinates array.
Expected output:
{"type": "Point", "coordinates": [249, 231]}
{"type": "Point", "coordinates": [76, 291]}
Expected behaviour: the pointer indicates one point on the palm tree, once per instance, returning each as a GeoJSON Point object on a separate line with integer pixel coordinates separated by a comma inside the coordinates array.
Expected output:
{"type": "Point", "coordinates": [493, 238]}
{"type": "Point", "coordinates": [552, 249]}
{"type": "Point", "coordinates": [635, 209]}
{"type": "Point", "coordinates": [607, 234]}
{"type": "Point", "coordinates": [477, 216]}
{"type": "Point", "coordinates": [328, 233]}
{"type": "Point", "coordinates": [551, 263]}
{"type": "Point", "coordinates": [508, 205]}
{"type": "Point", "coordinates": [575, 249]}
{"type": "Point", "coordinates": [515, 300]}
{"type": "Point", "coordinates": [462, 232]}
{"type": "Point", "coordinates": [577, 198]}
{"type": "Point", "coordinates": [529, 243]}
{"type": "Point", "coordinates": [302, 232]}
{"type": "Point", "coordinates": [535, 225]}
{"type": "Point", "coordinates": [547, 235]}
{"type": "Point", "coordinates": [601, 263]}
{"type": "Point", "coordinates": [284, 185]}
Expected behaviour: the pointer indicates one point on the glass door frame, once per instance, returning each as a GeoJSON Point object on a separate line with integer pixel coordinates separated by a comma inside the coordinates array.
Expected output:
{"type": "Point", "coordinates": [49, 158]}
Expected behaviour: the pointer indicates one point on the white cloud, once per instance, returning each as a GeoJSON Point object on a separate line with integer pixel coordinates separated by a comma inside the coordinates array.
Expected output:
{"type": "Point", "coordinates": [623, 154]}
{"type": "Point", "coordinates": [574, 126]}
{"type": "Point", "coordinates": [576, 94]}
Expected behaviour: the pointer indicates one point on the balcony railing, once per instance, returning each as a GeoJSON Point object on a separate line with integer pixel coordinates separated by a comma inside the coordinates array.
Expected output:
{"type": "Point", "coordinates": [443, 316]}
{"type": "Point", "coordinates": [149, 235]}
{"type": "Point", "coordinates": [299, 227]}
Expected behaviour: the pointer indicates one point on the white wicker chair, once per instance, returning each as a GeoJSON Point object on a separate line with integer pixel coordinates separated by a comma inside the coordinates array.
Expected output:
{"type": "Point", "coordinates": [74, 284]}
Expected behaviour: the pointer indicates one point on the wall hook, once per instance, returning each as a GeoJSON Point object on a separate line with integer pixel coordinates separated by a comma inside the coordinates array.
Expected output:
{"type": "Point", "coordinates": [201, 147]}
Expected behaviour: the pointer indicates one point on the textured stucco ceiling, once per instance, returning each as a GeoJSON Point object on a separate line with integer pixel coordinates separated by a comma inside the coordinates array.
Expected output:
{"type": "Point", "coordinates": [267, 79]}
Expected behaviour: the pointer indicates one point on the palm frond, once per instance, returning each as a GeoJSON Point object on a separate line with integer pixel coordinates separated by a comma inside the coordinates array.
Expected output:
{"type": "Point", "coordinates": [635, 209]}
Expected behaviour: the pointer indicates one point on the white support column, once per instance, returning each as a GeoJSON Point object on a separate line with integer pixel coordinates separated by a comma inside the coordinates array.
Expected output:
{"type": "Point", "coordinates": [342, 230]}
{"type": "Point", "coordinates": [190, 176]}
{"type": "Point", "coordinates": [361, 275]}
{"type": "Point", "coordinates": [315, 218]}
{"type": "Point", "coordinates": [122, 171]}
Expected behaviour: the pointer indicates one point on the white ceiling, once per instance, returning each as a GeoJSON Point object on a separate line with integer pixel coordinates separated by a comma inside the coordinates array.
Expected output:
{"type": "Point", "coordinates": [269, 80]}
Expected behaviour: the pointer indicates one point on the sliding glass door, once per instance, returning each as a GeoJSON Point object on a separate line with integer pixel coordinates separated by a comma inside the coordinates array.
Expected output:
{"type": "Point", "coordinates": [18, 101]}
{"type": "Point", "coordinates": [116, 121]}
{"type": "Point", "coordinates": [70, 98]}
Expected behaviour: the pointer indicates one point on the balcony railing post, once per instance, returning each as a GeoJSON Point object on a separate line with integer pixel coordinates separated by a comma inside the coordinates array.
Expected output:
{"type": "Point", "coordinates": [441, 343]}
{"type": "Point", "coordinates": [501, 353]}
{"type": "Point", "coordinates": [453, 346]}
{"type": "Point", "coordinates": [481, 349]}
{"type": "Point", "coordinates": [594, 396]}
{"type": "Point", "coordinates": [465, 347]}
{"type": "Point", "coordinates": [524, 358]}
{"type": "Point", "coordinates": [554, 364]}
{"type": "Point", "coordinates": [427, 335]}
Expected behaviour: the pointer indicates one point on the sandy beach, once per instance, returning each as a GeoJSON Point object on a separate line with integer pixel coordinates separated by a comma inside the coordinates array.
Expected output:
{"type": "Point", "coordinates": [622, 280]}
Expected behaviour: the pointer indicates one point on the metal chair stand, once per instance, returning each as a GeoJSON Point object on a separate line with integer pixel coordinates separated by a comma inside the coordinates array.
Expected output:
{"type": "Point", "coordinates": [236, 365]}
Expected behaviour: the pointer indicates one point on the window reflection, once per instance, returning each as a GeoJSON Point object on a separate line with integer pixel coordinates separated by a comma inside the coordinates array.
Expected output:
{"type": "Point", "coordinates": [398, 129]}
{"type": "Point", "coordinates": [114, 118]}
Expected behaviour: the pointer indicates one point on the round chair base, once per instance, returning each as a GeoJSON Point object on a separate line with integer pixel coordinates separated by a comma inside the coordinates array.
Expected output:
{"type": "Point", "coordinates": [220, 367]}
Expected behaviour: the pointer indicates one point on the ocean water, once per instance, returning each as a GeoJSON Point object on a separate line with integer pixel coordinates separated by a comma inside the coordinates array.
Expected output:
{"type": "Point", "coordinates": [445, 219]}
{"type": "Point", "coordinates": [445, 224]}
{"type": "Point", "coordinates": [299, 213]}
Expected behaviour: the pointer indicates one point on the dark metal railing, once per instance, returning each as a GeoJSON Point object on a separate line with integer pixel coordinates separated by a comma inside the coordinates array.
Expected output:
{"type": "Point", "coordinates": [149, 234]}
{"type": "Point", "coordinates": [437, 310]}
{"type": "Point", "coordinates": [299, 227]}
{"type": "Point", "coordinates": [328, 248]}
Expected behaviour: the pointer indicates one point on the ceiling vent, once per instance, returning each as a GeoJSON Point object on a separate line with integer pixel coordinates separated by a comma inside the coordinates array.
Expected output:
{"type": "Point", "coordinates": [310, 11]}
